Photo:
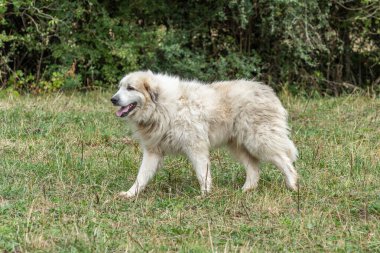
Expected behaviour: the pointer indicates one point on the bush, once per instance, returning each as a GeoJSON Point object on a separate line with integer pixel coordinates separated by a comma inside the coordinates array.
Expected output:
{"type": "Point", "coordinates": [326, 45]}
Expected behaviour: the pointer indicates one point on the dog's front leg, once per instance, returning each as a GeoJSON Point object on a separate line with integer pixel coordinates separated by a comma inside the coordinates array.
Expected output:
{"type": "Point", "coordinates": [201, 164]}
{"type": "Point", "coordinates": [148, 168]}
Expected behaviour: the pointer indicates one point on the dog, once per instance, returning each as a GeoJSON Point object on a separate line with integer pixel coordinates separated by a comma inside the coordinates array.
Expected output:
{"type": "Point", "coordinates": [170, 116]}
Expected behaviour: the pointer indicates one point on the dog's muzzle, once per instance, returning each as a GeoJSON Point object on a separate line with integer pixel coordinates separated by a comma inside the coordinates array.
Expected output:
{"type": "Point", "coordinates": [115, 100]}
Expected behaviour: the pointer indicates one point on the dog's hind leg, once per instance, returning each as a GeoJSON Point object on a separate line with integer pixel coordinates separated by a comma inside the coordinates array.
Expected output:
{"type": "Point", "coordinates": [285, 165]}
{"type": "Point", "coordinates": [148, 168]}
{"type": "Point", "coordinates": [250, 163]}
{"type": "Point", "coordinates": [202, 167]}
{"type": "Point", "coordinates": [273, 151]}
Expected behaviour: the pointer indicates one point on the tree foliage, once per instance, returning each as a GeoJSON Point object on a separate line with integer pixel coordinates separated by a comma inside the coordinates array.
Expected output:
{"type": "Point", "coordinates": [326, 45]}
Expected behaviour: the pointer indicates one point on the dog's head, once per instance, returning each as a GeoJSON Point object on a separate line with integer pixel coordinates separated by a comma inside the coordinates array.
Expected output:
{"type": "Point", "coordinates": [137, 95]}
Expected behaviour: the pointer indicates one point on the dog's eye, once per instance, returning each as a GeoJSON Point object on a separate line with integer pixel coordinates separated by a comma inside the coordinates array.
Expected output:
{"type": "Point", "coordinates": [130, 88]}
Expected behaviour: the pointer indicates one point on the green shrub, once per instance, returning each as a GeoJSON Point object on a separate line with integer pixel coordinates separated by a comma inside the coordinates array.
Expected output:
{"type": "Point", "coordinates": [51, 45]}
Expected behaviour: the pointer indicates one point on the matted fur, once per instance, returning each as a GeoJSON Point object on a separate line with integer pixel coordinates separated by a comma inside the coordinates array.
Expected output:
{"type": "Point", "coordinates": [177, 116]}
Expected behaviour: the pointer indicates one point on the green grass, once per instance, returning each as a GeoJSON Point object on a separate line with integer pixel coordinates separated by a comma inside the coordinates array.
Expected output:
{"type": "Point", "coordinates": [63, 158]}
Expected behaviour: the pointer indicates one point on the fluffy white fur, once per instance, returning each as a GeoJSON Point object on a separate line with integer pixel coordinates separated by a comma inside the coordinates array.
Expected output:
{"type": "Point", "coordinates": [176, 116]}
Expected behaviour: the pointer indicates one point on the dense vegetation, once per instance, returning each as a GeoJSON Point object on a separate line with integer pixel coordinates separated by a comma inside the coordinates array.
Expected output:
{"type": "Point", "coordinates": [324, 45]}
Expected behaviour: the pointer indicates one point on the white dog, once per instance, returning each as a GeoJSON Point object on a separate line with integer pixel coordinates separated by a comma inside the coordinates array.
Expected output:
{"type": "Point", "coordinates": [169, 115]}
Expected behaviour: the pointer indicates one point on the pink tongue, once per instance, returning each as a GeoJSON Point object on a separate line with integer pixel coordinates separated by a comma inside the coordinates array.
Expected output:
{"type": "Point", "coordinates": [122, 110]}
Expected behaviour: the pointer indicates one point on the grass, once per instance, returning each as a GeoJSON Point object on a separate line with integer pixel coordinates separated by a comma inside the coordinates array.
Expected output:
{"type": "Point", "coordinates": [63, 158]}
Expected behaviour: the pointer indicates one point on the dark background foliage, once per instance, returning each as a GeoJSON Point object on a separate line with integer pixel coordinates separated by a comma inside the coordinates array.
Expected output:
{"type": "Point", "coordinates": [325, 45]}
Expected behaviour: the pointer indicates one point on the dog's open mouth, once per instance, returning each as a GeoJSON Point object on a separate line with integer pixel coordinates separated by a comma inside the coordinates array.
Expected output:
{"type": "Point", "coordinates": [125, 110]}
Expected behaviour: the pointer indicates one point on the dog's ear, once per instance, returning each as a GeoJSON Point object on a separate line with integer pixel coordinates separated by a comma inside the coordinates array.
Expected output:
{"type": "Point", "coordinates": [152, 89]}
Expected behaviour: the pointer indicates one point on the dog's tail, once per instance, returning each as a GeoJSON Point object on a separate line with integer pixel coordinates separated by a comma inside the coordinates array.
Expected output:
{"type": "Point", "coordinates": [292, 151]}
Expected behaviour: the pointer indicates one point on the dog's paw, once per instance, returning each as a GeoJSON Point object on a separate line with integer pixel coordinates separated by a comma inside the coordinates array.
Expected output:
{"type": "Point", "coordinates": [204, 194]}
{"type": "Point", "coordinates": [292, 184]}
{"type": "Point", "coordinates": [245, 190]}
{"type": "Point", "coordinates": [249, 187]}
{"type": "Point", "coordinates": [125, 195]}
{"type": "Point", "coordinates": [292, 187]}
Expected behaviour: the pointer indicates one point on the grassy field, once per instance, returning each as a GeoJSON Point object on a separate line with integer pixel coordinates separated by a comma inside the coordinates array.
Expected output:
{"type": "Point", "coordinates": [63, 158]}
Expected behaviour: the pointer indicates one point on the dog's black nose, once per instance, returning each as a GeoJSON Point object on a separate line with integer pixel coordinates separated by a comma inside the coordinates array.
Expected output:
{"type": "Point", "coordinates": [114, 100]}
